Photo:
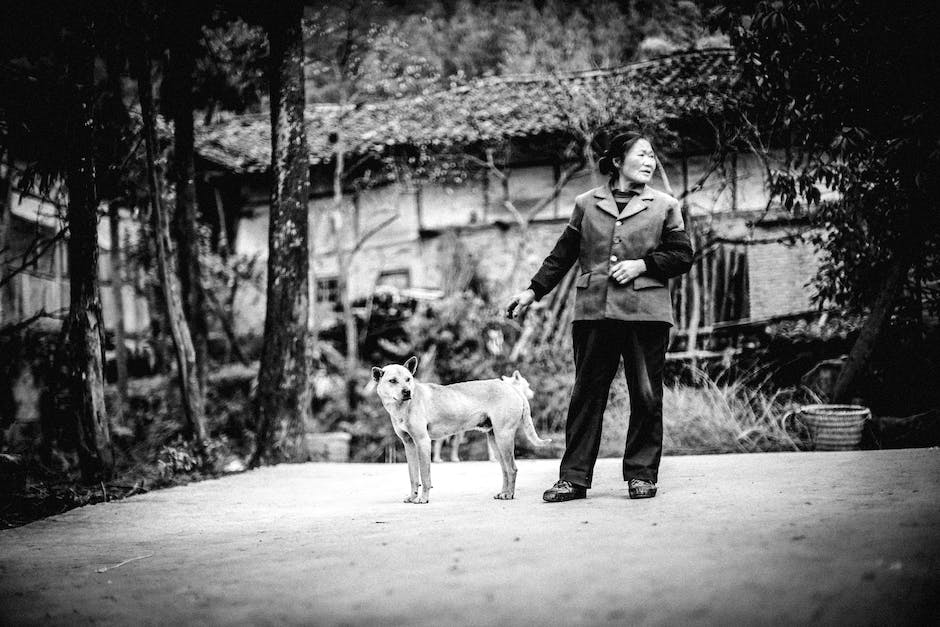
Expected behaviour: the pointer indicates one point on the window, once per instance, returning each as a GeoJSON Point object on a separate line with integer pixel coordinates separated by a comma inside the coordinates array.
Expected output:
{"type": "Point", "coordinates": [328, 290]}
{"type": "Point", "coordinates": [400, 279]}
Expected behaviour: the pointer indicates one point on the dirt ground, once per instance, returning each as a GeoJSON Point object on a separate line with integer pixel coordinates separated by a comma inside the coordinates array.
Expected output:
{"type": "Point", "coordinates": [785, 538]}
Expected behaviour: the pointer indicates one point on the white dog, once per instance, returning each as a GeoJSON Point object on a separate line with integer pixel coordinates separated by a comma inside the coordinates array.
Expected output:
{"type": "Point", "coordinates": [456, 440]}
{"type": "Point", "coordinates": [421, 412]}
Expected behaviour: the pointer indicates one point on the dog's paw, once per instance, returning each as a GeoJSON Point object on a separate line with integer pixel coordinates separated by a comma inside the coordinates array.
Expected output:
{"type": "Point", "coordinates": [410, 498]}
{"type": "Point", "coordinates": [420, 500]}
{"type": "Point", "coordinates": [504, 496]}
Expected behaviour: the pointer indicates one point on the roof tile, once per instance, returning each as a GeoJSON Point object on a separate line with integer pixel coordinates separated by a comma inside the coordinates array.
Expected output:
{"type": "Point", "coordinates": [488, 109]}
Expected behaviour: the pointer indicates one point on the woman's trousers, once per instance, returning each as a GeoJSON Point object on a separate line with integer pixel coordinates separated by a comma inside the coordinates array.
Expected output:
{"type": "Point", "coordinates": [599, 345]}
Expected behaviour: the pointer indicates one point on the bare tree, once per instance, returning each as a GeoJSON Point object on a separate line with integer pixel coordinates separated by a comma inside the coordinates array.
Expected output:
{"type": "Point", "coordinates": [191, 392]}
{"type": "Point", "coordinates": [187, 20]}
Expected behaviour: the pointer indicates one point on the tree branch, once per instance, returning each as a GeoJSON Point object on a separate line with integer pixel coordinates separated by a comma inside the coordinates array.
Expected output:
{"type": "Point", "coordinates": [556, 190]}
{"type": "Point", "coordinates": [10, 329]}
{"type": "Point", "coordinates": [368, 234]}
{"type": "Point", "coordinates": [26, 261]}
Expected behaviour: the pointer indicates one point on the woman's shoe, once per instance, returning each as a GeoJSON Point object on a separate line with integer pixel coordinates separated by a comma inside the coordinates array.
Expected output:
{"type": "Point", "coordinates": [641, 489]}
{"type": "Point", "coordinates": [564, 490]}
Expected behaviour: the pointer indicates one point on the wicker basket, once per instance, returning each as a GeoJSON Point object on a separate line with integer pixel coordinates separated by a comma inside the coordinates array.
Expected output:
{"type": "Point", "coordinates": [835, 427]}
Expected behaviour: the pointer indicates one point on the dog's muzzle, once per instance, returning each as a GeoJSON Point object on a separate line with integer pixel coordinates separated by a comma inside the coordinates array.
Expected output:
{"type": "Point", "coordinates": [406, 395]}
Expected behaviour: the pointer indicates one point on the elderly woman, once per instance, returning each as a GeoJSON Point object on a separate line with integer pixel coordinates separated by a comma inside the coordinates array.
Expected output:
{"type": "Point", "coordinates": [629, 240]}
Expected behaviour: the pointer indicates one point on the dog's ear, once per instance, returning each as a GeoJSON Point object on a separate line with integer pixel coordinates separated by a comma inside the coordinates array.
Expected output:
{"type": "Point", "coordinates": [412, 364]}
{"type": "Point", "coordinates": [377, 374]}
{"type": "Point", "coordinates": [516, 375]}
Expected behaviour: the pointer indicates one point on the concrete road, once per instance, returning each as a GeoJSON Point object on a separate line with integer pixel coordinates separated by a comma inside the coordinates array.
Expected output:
{"type": "Point", "coordinates": [828, 538]}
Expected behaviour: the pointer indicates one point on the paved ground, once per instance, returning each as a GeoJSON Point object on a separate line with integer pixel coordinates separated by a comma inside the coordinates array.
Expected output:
{"type": "Point", "coordinates": [832, 538]}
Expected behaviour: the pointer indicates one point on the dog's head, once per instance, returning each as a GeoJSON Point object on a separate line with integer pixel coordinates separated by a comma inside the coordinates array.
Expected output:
{"type": "Point", "coordinates": [521, 384]}
{"type": "Point", "coordinates": [396, 382]}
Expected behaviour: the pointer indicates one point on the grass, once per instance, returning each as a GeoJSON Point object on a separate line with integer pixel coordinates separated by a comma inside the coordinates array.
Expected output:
{"type": "Point", "coordinates": [715, 417]}
{"type": "Point", "coordinates": [731, 418]}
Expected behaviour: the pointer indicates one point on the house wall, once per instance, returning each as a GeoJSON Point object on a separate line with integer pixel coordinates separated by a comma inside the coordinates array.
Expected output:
{"type": "Point", "coordinates": [45, 284]}
{"type": "Point", "coordinates": [465, 233]}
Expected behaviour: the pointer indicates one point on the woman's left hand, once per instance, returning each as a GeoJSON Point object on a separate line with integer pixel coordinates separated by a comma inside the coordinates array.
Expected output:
{"type": "Point", "coordinates": [625, 271]}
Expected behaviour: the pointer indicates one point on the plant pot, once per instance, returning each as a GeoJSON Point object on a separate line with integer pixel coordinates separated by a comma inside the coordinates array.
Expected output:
{"type": "Point", "coordinates": [328, 447]}
{"type": "Point", "coordinates": [835, 427]}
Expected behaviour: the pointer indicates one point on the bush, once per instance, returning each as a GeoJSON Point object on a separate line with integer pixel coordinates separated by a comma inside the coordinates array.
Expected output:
{"type": "Point", "coordinates": [710, 415]}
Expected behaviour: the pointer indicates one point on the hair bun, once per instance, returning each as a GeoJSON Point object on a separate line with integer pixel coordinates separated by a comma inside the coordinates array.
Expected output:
{"type": "Point", "coordinates": [616, 149]}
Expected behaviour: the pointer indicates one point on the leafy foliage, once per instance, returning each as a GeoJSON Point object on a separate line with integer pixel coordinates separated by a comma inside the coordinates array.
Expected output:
{"type": "Point", "coordinates": [230, 67]}
{"type": "Point", "coordinates": [849, 88]}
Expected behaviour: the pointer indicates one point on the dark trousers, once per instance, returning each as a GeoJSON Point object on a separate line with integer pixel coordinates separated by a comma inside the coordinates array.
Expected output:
{"type": "Point", "coordinates": [598, 347]}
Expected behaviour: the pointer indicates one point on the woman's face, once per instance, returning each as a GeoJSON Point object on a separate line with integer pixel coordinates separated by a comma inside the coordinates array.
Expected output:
{"type": "Point", "coordinates": [638, 164]}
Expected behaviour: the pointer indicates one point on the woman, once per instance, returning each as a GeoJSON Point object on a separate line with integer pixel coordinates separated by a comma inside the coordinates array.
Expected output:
{"type": "Point", "coordinates": [629, 240]}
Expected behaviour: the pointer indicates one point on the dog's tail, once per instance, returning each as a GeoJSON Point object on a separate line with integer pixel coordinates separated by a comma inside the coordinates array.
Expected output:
{"type": "Point", "coordinates": [528, 429]}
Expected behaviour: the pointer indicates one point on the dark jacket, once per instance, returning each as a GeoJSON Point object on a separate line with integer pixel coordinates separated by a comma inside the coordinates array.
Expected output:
{"type": "Point", "coordinates": [650, 227]}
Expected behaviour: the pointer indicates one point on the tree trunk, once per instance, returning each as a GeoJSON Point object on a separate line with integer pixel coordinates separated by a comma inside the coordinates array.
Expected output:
{"type": "Point", "coordinates": [84, 327]}
{"type": "Point", "coordinates": [871, 329]}
{"type": "Point", "coordinates": [283, 402]}
{"type": "Point", "coordinates": [191, 394]}
{"type": "Point", "coordinates": [156, 307]}
{"type": "Point", "coordinates": [117, 288]}
{"type": "Point", "coordinates": [6, 197]}
{"type": "Point", "coordinates": [185, 219]}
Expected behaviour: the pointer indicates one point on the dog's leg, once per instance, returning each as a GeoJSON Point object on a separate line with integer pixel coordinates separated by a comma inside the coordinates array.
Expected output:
{"type": "Point", "coordinates": [455, 443]}
{"type": "Point", "coordinates": [505, 445]}
{"type": "Point", "coordinates": [411, 454]}
{"type": "Point", "coordinates": [491, 449]}
{"type": "Point", "coordinates": [423, 446]}
{"type": "Point", "coordinates": [436, 447]}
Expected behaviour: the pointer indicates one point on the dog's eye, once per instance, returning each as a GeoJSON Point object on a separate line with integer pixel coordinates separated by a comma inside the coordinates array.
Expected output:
{"type": "Point", "coordinates": [408, 379]}
{"type": "Point", "coordinates": [393, 380]}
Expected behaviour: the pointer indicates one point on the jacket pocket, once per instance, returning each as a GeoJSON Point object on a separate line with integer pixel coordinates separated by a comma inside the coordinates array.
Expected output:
{"type": "Point", "coordinates": [583, 280]}
{"type": "Point", "coordinates": [643, 282]}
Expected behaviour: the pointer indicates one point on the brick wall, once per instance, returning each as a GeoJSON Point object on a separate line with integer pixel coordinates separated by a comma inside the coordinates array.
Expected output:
{"type": "Point", "coordinates": [778, 275]}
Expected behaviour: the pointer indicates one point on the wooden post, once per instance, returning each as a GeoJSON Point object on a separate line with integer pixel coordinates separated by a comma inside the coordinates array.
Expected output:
{"type": "Point", "coordinates": [685, 173]}
{"type": "Point", "coordinates": [419, 208]}
{"type": "Point", "coordinates": [223, 244]}
{"type": "Point", "coordinates": [357, 214]}
{"type": "Point", "coordinates": [707, 280]}
{"type": "Point", "coordinates": [486, 196]}
{"type": "Point", "coordinates": [734, 181]}
{"type": "Point", "coordinates": [556, 175]}
{"type": "Point", "coordinates": [694, 313]}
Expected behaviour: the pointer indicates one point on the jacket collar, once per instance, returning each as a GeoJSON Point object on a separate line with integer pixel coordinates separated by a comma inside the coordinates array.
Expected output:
{"type": "Point", "coordinates": [606, 202]}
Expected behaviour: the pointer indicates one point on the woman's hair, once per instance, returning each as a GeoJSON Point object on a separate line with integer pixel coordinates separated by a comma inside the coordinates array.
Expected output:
{"type": "Point", "coordinates": [617, 148]}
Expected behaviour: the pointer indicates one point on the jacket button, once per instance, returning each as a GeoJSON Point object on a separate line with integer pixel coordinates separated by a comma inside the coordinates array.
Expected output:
{"type": "Point", "coordinates": [613, 258]}
{"type": "Point", "coordinates": [619, 222]}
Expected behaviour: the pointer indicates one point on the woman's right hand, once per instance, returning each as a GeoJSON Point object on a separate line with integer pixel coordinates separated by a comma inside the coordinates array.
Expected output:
{"type": "Point", "coordinates": [519, 303]}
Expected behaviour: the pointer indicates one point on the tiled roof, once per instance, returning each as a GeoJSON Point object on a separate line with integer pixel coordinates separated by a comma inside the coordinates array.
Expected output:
{"type": "Point", "coordinates": [486, 109]}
